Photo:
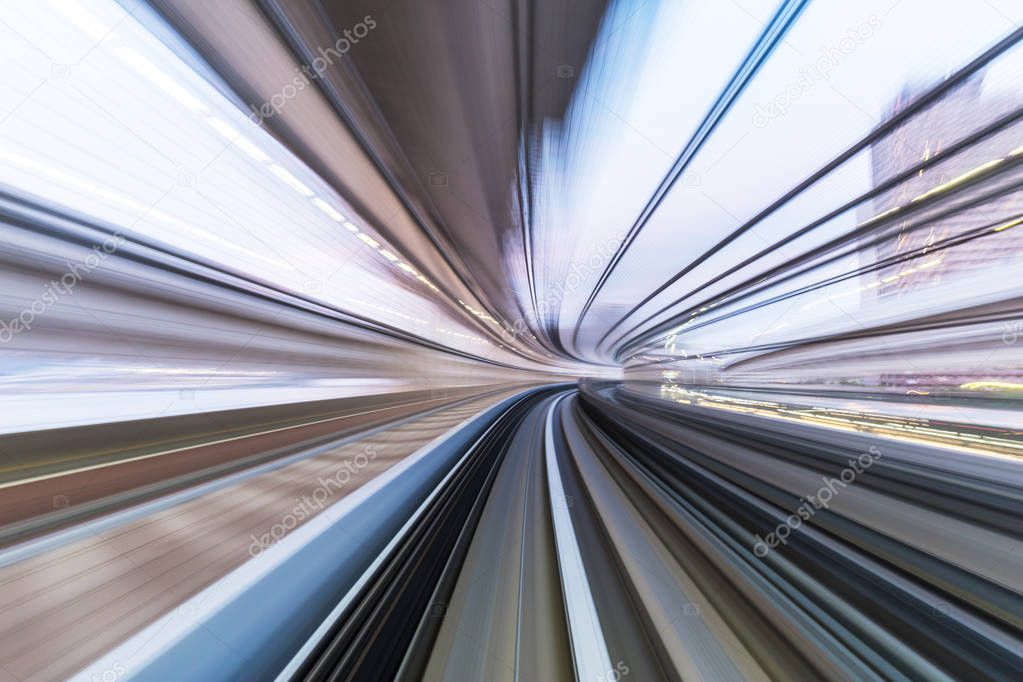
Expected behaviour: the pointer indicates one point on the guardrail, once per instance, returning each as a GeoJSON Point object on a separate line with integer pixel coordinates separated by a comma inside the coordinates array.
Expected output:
{"type": "Point", "coordinates": [250, 624]}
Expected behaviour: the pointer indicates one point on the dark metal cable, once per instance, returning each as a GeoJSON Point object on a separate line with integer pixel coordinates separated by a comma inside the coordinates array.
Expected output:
{"type": "Point", "coordinates": [888, 185]}
{"type": "Point", "coordinates": [883, 129]}
{"type": "Point", "coordinates": [772, 35]}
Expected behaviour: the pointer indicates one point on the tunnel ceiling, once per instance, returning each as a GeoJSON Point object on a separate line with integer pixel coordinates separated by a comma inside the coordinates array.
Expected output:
{"type": "Point", "coordinates": [455, 93]}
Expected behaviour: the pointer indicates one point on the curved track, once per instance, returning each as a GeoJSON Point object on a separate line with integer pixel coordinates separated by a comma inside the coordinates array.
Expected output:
{"type": "Point", "coordinates": [606, 535]}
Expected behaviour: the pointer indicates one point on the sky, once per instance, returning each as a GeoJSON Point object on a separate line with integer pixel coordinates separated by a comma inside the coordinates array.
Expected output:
{"type": "Point", "coordinates": [656, 70]}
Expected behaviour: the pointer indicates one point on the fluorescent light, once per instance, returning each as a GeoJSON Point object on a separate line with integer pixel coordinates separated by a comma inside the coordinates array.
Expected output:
{"type": "Point", "coordinates": [149, 212]}
{"type": "Point", "coordinates": [369, 240]}
{"type": "Point", "coordinates": [290, 180]}
{"type": "Point", "coordinates": [216, 239]}
{"type": "Point", "coordinates": [148, 69]}
{"type": "Point", "coordinates": [231, 135]}
{"type": "Point", "coordinates": [328, 209]}
{"type": "Point", "coordinates": [350, 227]}
{"type": "Point", "coordinates": [74, 181]}
{"type": "Point", "coordinates": [251, 149]}
{"type": "Point", "coordinates": [407, 268]}
{"type": "Point", "coordinates": [222, 127]}
{"type": "Point", "coordinates": [388, 255]}
{"type": "Point", "coordinates": [81, 18]}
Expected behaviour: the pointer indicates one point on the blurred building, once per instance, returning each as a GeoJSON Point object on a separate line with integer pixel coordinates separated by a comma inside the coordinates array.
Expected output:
{"type": "Point", "coordinates": [959, 113]}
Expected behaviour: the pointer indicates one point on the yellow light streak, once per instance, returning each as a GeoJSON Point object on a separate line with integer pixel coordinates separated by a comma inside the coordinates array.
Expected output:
{"type": "Point", "coordinates": [1003, 385]}
{"type": "Point", "coordinates": [1007, 225]}
{"type": "Point", "coordinates": [958, 180]}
